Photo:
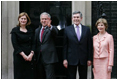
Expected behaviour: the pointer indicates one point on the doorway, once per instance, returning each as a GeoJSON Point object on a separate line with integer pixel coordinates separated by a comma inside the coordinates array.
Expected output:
{"type": "Point", "coordinates": [60, 12]}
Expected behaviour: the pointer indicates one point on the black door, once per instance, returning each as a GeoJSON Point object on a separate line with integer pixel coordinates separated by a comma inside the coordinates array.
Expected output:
{"type": "Point", "coordinates": [60, 12]}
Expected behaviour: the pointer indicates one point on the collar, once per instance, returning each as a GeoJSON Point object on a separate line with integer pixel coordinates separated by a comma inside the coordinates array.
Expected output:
{"type": "Point", "coordinates": [105, 35]}
{"type": "Point", "coordinates": [44, 27]}
{"type": "Point", "coordinates": [78, 25]}
{"type": "Point", "coordinates": [103, 38]}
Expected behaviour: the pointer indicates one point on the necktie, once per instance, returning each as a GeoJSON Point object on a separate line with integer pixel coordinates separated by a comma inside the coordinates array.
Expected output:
{"type": "Point", "coordinates": [42, 34]}
{"type": "Point", "coordinates": [78, 33]}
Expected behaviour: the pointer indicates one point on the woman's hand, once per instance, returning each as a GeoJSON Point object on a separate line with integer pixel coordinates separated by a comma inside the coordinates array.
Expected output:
{"type": "Point", "coordinates": [109, 68]}
{"type": "Point", "coordinates": [30, 55]}
{"type": "Point", "coordinates": [24, 56]}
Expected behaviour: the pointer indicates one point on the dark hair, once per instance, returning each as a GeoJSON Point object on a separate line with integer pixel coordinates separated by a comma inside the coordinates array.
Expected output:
{"type": "Point", "coordinates": [77, 12]}
{"type": "Point", "coordinates": [28, 19]}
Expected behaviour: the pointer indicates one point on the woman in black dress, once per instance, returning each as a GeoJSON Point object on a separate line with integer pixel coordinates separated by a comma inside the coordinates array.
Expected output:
{"type": "Point", "coordinates": [22, 41]}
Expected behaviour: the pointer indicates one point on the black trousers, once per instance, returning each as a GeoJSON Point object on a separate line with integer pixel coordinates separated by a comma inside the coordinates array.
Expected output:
{"type": "Point", "coordinates": [45, 71]}
{"type": "Point", "coordinates": [72, 69]}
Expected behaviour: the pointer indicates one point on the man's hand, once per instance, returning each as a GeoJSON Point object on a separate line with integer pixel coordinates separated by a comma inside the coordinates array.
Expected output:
{"type": "Point", "coordinates": [65, 63]}
{"type": "Point", "coordinates": [89, 63]}
{"type": "Point", "coordinates": [49, 23]}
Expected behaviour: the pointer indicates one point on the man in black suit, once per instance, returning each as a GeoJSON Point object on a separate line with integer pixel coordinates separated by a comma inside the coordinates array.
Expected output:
{"type": "Point", "coordinates": [45, 47]}
{"type": "Point", "coordinates": [77, 47]}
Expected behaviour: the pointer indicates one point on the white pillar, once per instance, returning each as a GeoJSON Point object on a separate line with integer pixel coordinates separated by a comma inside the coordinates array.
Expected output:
{"type": "Point", "coordinates": [88, 14]}
{"type": "Point", "coordinates": [4, 41]}
{"type": "Point", "coordinates": [79, 6]}
{"type": "Point", "coordinates": [10, 12]}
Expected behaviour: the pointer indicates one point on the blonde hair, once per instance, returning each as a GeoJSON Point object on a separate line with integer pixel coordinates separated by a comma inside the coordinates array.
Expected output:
{"type": "Point", "coordinates": [28, 19]}
{"type": "Point", "coordinates": [102, 20]}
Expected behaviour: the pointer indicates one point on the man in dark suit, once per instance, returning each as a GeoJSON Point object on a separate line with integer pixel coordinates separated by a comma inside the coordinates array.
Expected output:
{"type": "Point", "coordinates": [77, 47]}
{"type": "Point", "coordinates": [45, 47]}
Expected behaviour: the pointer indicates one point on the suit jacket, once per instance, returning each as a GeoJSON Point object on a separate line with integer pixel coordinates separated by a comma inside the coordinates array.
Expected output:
{"type": "Point", "coordinates": [104, 47]}
{"type": "Point", "coordinates": [47, 46]}
{"type": "Point", "coordinates": [77, 51]}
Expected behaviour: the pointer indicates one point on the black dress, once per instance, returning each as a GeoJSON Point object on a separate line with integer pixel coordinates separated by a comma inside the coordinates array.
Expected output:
{"type": "Point", "coordinates": [22, 41]}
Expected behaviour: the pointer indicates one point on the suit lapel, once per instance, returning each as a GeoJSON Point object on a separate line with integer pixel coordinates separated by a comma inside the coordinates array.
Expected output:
{"type": "Point", "coordinates": [103, 38]}
{"type": "Point", "coordinates": [83, 32]}
{"type": "Point", "coordinates": [73, 31]}
{"type": "Point", "coordinates": [38, 34]}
